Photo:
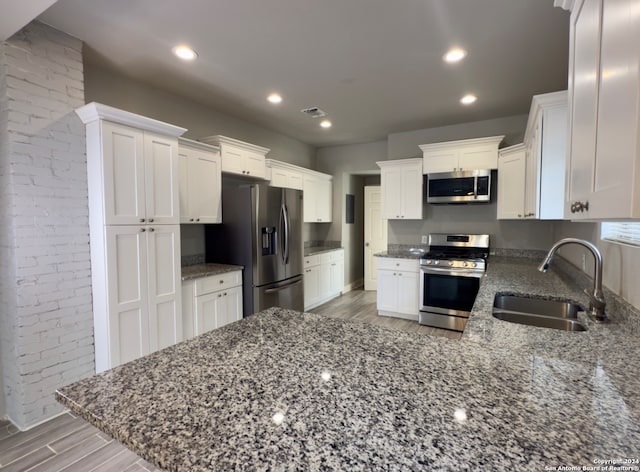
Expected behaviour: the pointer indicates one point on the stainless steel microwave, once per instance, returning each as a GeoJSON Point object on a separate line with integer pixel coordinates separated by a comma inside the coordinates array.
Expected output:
{"type": "Point", "coordinates": [466, 186]}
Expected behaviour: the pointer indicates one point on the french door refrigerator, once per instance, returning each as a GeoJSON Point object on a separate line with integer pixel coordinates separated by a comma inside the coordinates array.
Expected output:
{"type": "Point", "coordinates": [262, 231]}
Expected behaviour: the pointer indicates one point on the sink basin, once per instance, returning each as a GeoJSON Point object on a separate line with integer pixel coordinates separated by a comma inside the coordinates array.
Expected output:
{"type": "Point", "coordinates": [416, 250]}
{"type": "Point", "coordinates": [537, 312]}
{"type": "Point", "coordinates": [536, 306]}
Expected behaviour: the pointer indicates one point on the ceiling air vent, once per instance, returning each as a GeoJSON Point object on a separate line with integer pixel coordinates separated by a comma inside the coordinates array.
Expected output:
{"type": "Point", "coordinates": [314, 112]}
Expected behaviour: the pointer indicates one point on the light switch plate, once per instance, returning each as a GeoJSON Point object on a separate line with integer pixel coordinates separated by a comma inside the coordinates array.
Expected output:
{"type": "Point", "coordinates": [425, 239]}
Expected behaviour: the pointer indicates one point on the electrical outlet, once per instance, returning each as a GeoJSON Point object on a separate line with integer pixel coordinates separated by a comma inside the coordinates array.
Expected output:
{"type": "Point", "coordinates": [584, 262]}
{"type": "Point", "coordinates": [425, 240]}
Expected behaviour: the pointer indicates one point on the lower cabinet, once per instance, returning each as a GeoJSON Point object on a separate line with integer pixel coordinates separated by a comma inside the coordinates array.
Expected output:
{"type": "Point", "coordinates": [323, 277]}
{"type": "Point", "coordinates": [211, 302]}
{"type": "Point", "coordinates": [398, 288]}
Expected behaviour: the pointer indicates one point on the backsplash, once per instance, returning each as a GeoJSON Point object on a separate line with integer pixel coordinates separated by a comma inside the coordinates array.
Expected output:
{"type": "Point", "coordinates": [317, 243]}
{"type": "Point", "coordinates": [192, 259]}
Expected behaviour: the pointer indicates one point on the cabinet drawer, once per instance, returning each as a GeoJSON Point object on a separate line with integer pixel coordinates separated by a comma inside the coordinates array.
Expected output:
{"type": "Point", "coordinates": [325, 257]}
{"type": "Point", "coordinates": [311, 261]}
{"type": "Point", "coordinates": [337, 255]}
{"type": "Point", "coordinates": [408, 265]}
{"type": "Point", "coordinates": [214, 283]}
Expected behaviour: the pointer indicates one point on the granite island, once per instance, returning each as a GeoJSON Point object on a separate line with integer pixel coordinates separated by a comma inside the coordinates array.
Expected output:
{"type": "Point", "coordinates": [283, 390]}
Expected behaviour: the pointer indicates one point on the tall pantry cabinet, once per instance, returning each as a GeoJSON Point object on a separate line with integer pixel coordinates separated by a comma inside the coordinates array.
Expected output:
{"type": "Point", "coordinates": [132, 167]}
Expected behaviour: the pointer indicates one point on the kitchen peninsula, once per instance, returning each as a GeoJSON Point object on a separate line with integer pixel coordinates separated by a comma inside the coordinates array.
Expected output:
{"type": "Point", "coordinates": [283, 390]}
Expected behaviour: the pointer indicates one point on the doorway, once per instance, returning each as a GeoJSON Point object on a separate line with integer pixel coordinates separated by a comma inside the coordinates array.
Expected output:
{"type": "Point", "coordinates": [375, 234]}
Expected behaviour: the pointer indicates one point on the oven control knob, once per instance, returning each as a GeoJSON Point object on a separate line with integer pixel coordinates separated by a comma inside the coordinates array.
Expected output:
{"type": "Point", "coordinates": [450, 263]}
{"type": "Point", "coordinates": [428, 261]}
{"type": "Point", "coordinates": [473, 264]}
{"type": "Point", "coordinates": [436, 262]}
{"type": "Point", "coordinates": [464, 264]}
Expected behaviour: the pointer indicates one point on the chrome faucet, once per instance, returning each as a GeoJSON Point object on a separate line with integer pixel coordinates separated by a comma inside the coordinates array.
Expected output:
{"type": "Point", "coordinates": [596, 298]}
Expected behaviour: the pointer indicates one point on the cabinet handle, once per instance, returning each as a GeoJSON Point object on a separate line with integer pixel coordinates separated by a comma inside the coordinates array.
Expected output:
{"type": "Point", "coordinates": [151, 230]}
{"type": "Point", "coordinates": [150, 220]}
{"type": "Point", "coordinates": [400, 274]}
{"type": "Point", "coordinates": [222, 281]}
{"type": "Point", "coordinates": [219, 295]}
{"type": "Point", "coordinates": [519, 215]}
{"type": "Point", "coordinates": [395, 273]}
{"type": "Point", "coordinates": [579, 207]}
{"type": "Point", "coordinates": [397, 264]}
{"type": "Point", "coordinates": [225, 294]}
{"type": "Point", "coordinates": [197, 219]}
{"type": "Point", "coordinates": [142, 230]}
{"type": "Point", "coordinates": [333, 264]}
{"type": "Point", "coordinates": [191, 219]}
{"type": "Point", "coordinates": [319, 219]}
{"type": "Point", "coordinates": [248, 172]}
{"type": "Point", "coordinates": [141, 220]}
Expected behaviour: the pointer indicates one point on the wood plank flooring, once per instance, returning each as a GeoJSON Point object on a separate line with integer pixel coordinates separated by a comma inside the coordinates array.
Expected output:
{"type": "Point", "coordinates": [359, 305]}
{"type": "Point", "coordinates": [70, 444]}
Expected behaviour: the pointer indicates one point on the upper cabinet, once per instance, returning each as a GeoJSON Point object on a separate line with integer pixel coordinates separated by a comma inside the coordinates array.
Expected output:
{"type": "Point", "coordinates": [240, 158]}
{"type": "Point", "coordinates": [603, 171]}
{"type": "Point", "coordinates": [200, 183]}
{"type": "Point", "coordinates": [318, 197]}
{"type": "Point", "coordinates": [133, 160]}
{"type": "Point", "coordinates": [512, 164]}
{"type": "Point", "coordinates": [281, 174]}
{"type": "Point", "coordinates": [401, 184]}
{"type": "Point", "coordinates": [467, 154]}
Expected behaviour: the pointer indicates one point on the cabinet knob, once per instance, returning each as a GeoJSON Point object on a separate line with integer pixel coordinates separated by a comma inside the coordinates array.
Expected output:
{"type": "Point", "coordinates": [222, 281]}
{"type": "Point", "coordinates": [151, 230]}
{"type": "Point", "coordinates": [219, 295]}
{"type": "Point", "coordinates": [197, 219]}
{"type": "Point", "coordinates": [191, 219]}
{"type": "Point", "coordinates": [142, 230]}
{"type": "Point", "coordinates": [400, 274]}
{"type": "Point", "coordinates": [141, 220]}
{"type": "Point", "coordinates": [366, 244]}
{"type": "Point", "coordinates": [244, 171]}
{"type": "Point", "coordinates": [319, 219]}
{"type": "Point", "coordinates": [519, 215]}
{"type": "Point", "coordinates": [225, 294]}
{"type": "Point", "coordinates": [579, 207]}
{"type": "Point", "coordinates": [397, 264]}
{"type": "Point", "coordinates": [248, 172]}
{"type": "Point", "coordinates": [150, 220]}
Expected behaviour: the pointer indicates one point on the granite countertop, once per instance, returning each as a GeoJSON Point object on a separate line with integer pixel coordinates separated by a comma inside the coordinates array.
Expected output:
{"type": "Point", "coordinates": [283, 390]}
{"type": "Point", "coordinates": [205, 270]}
{"type": "Point", "coordinates": [400, 254]}
{"type": "Point", "coordinates": [313, 250]}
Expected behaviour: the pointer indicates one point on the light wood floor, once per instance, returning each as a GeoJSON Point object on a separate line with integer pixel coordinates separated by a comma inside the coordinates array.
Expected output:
{"type": "Point", "coordinates": [70, 444]}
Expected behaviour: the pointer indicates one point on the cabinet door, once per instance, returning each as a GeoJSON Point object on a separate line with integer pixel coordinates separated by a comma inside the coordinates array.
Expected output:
{"type": "Point", "coordinates": [583, 98]}
{"type": "Point", "coordinates": [616, 182]}
{"type": "Point", "coordinates": [207, 178]}
{"type": "Point", "coordinates": [206, 312]}
{"type": "Point", "coordinates": [478, 157]}
{"type": "Point", "coordinates": [228, 306]}
{"type": "Point", "coordinates": [553, 163]}
{"type": "Point", "coordinates": [411, 192]}
{"type": "Point", "coordinates": [408, 288]}
{"type": "Point", "coordinates": [443, 160]}
{"type": "Point", "coordinates": [324, 201]}
{"type": "Point", "coordinates": [311, 286]}
{"type": "Point", "coordinates": [296, 181]}
{"type": "Point", "coordinates": [533, 160]}
{"type": "Point", "coordinates": [310, 199]}
{"type": "Point", "coordinates": [511, 185]}
{"type": "Point", "coordinates": [186, 192]}
{"type": "Point", "coordinates": [387, 295]}
{"type": "Point", "coordinates": [324, 280]}
{"type": "Point", "coordinates": [254, 165]}
{"type": "Point", "coordinates": [279, 177]}
{"type": "Point", "coordinates": [391, 183]}
{"type": "Point", "coordinates": [165, 289]}
{"type": "Point", "coordinates": [337, 276]}
{"type": "Point", "coordinates": [161, 179]}
{"type": "Point", "coordinates": [127, 303]}
{"type": "Point", "coordinates": [123, 160]}
{"type": "Point", "coordinates": [233, 159]}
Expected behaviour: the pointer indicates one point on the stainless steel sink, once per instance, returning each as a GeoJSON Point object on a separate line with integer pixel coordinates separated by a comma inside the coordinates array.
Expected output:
{"type": "Point", "coordinates": [531, 311]}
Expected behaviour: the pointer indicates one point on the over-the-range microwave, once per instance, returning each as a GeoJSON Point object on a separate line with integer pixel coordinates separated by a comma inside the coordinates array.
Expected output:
{"type": "Point", "coordinates": [465, 186]}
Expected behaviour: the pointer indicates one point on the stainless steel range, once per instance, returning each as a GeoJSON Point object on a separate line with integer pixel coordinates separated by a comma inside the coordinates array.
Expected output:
{"type": "Point", "coordinates": [450, 276]}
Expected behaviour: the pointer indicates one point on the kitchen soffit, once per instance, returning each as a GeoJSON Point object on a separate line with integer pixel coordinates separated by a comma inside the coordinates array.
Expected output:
{"type": "Point", "coordinates": [375, 66]}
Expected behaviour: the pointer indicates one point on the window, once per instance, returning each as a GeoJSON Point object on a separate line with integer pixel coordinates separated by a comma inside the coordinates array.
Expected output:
{"type": "Point", "coordinates": [624, 233]}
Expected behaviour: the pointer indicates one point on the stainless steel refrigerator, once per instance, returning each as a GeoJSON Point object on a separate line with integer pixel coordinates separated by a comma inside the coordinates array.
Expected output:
{"type": "Point", "coordinates": [261, 230]}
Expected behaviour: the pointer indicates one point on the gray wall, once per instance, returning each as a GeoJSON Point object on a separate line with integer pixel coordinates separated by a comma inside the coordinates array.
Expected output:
{"type": "Point", "coordinates": [621, 264]}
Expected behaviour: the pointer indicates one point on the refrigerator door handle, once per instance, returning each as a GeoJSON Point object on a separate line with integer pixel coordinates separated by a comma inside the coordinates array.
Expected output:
{"type": "Point", "coordinates": [283, 287]}
{"type": "Point", "coordinates": [287, 233]}
{"type": "Point", "coordinates": [283, 239]}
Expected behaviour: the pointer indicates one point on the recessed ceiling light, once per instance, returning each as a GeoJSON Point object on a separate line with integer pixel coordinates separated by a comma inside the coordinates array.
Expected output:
{"type": "Point", "coordinates": [185, 53]}
{"type": "Point", "coordinates": [275, 98]}
{"type": "Point", "coordinates": [454, 55]}
{"type": "Point", "coordinates": [325, 124]}
{"type": "Point", "coordinates": [468, 99]}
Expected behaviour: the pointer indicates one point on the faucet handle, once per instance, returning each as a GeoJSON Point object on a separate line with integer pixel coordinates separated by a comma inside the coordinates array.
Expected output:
{"type": "Point", "coordinates": [597, 304]}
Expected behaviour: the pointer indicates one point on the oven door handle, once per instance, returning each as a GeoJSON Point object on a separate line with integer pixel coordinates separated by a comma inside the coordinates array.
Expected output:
{"type": "Point", "coordinates": [453, 272]}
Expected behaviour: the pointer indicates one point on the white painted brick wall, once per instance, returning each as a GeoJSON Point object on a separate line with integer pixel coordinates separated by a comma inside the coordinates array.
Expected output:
{"type": "Point", "coordinates": [47, 335]}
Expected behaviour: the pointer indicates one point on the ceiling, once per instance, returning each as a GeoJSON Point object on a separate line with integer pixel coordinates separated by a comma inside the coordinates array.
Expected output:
{"type": "Point", "coordinates": [375, 66]}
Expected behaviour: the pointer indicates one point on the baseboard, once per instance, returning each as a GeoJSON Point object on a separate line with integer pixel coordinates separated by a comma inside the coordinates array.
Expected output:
{"type": "Point", "coordinates": [31, 426]}
{"type": "Point", "coordinates": [356, 284]}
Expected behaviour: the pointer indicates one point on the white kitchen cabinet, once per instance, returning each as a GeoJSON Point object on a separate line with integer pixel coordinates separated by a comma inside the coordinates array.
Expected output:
{"type": "Point", "coordinates": [143, 302]}
{"type": "Point", "coordinates": [239, 157]}
{"type": "Point", "coordinates": [603, 180]}
{"type": "Point", "coordinates": [282, 174]}
{"type": "Point", "coordinates": [511, 182]}
{"type": "Point", "coordinates": [531, 185]}
{"type": "Point", "coordinates": [401, 186]}
{"type": "Point", "coordinates": [323, 277]}
{"type": "Point", "coordinates": [211, 302]}
{"type": "Point", "coordinates": [200, 183]}
{"type": "Point", "coordinates": [398, 288]}
{"type": "Point", "coordinates": [318, 197]}
{"type": "Point", "coordinates": [467, 154]}
{"type": "Point", "coordinates": [133, 180]}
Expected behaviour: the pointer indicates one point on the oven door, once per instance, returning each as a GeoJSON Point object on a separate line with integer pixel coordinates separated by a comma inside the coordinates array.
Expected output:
{"type": "Point", "coordinates": [448, 291]}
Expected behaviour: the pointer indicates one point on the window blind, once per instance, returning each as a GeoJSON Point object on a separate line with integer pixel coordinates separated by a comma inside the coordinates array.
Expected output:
{"type": "Point", "coordinates": [625, 233]}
